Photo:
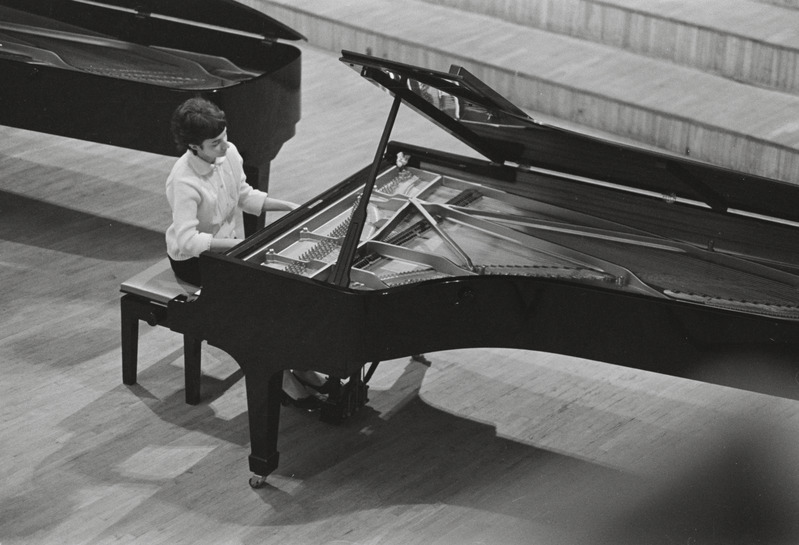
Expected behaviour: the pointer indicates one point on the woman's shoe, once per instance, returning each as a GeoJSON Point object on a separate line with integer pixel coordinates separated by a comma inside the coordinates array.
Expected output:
{"type": "Point", "coordinates": [330, 385]}
{"type": "Point", "coordinates": [310, 403]}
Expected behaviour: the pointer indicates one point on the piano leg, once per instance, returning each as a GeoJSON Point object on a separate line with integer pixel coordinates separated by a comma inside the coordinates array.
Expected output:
{"type": "Point", "coordinates": [133, 309]}
{"type": "Point", "coordinates": [263, 410]}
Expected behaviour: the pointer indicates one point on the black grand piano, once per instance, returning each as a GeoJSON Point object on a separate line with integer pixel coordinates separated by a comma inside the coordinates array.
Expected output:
{"type": "Point", "coordinates": [113, 71]}
{"type": "Point", "coordinates": [557, 241]}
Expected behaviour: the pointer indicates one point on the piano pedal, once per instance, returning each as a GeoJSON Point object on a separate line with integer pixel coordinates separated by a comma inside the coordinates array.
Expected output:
{"type": "Point", "coordinates": [345, 402]}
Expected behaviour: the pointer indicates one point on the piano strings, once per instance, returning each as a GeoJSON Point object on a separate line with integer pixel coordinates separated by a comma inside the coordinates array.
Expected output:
{"type": "Point", "coordinates": [424, 225]}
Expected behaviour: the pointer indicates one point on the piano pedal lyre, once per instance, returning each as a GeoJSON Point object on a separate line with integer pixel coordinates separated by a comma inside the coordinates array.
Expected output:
{"type": "Point", "coordinates": [343, 400]}
{"type": "Point", "coordinates": [347, 399]}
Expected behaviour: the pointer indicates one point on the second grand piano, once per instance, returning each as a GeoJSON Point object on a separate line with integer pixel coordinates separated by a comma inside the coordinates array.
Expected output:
{"type": "Point", "coordinates": [557, 242]}
{"type": "Point", "coordinates": [113, 71]}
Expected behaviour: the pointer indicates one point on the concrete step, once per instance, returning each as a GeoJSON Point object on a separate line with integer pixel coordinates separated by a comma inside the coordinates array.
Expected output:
{"type": "Point", "coordinates": [794, 4]}
{"type": "Point", "coordinates": [744, 40]}
{"type": "Point", "coordinates": [594, 85]}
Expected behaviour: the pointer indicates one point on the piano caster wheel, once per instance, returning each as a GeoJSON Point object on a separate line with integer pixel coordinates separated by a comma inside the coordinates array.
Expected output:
{"type": "Point", "coordinates": [257, 481]}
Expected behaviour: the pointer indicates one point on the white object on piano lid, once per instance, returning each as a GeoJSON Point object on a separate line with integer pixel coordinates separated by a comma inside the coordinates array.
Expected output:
{"type": "Point", "coordinates": [402, 160]}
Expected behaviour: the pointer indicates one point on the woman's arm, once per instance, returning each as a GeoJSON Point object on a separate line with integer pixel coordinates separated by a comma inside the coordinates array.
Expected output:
{"type": "Point", "coordinates": [223, 244]}
{"type": "Point", "coordinates": [270, 204]}
{"type": "Point", "coordinates": [183, 236]}
{"type": "Point", "coordinates": [273, 205]}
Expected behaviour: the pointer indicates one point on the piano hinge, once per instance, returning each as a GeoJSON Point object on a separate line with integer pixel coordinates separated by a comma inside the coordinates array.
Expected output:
{"type": "Point", "coordinates": [514, 165]}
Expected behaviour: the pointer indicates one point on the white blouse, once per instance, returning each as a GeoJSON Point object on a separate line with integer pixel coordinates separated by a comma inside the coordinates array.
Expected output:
{"type": "Point", "coordinates": [207, 201]}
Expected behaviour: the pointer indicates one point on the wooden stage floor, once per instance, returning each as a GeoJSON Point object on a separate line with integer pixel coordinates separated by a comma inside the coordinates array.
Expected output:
{"type": "Point", "coordinates": [478, 447]}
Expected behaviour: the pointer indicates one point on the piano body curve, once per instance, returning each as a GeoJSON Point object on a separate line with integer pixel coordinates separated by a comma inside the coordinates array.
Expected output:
{"type": "Point", "coordinates": [557, 242]}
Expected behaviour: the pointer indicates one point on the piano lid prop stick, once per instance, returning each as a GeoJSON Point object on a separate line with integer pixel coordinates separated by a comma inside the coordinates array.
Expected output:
{"type": "Point", "coordinates": [341, 272]}
{"type": "Point", "coordinates": [434, 224]}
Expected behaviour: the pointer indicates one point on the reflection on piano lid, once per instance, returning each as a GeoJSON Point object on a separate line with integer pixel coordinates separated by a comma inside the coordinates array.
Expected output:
{"type": "Point", "coordinates": [118, 59]}
{"type": "Point", "coordinates": [112, 71]}
{"type": "Point", "coordinates": [560, 242]}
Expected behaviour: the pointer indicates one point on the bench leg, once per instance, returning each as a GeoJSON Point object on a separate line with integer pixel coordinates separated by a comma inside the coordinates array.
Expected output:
{"type": "Point", "coordinates": [134, 309]}
{"type": "Point", "coordinates": [191, 363]}
{"type": "Point", "coordinates": [130, 340]}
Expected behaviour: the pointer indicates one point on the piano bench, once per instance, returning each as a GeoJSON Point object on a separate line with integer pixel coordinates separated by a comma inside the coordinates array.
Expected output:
{"type": "Point", "coordinates": [145, 298]}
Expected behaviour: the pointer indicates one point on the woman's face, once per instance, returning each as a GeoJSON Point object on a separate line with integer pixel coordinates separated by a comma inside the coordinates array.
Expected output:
{"type": "Point", "coordinates": [212, 148]}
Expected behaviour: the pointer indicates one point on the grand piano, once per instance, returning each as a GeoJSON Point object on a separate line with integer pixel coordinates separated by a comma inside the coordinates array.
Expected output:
{"type": "Point", "coordinates": [555, 241]}
{"type": "Point", "coordinates": [113, 71]}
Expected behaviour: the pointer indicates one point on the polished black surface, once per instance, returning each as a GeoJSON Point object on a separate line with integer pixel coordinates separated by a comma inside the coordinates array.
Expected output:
{"type": "Point", "coordinates": [473, 112]}
{"type": "Point", "coordinates": [459, 252]}
{"type": "Point", "coordinates": [113, 72]}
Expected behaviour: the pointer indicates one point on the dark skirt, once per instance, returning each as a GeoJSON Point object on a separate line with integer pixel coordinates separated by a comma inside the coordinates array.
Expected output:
{"type": "Point", "coordinates": [187, 270]}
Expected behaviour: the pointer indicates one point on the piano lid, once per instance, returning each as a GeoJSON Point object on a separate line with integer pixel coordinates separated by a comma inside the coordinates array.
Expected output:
{"type": "Point", "coordinates": [227, 16]}
{"type": "Point", "coordinates": [483, 119]}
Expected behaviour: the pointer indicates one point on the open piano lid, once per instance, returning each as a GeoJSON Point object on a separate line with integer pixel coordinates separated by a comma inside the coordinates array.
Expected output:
{"type": "Point", "coordinates": [483, 119]}
{"type": "Point", "coordinates": [215, 15]}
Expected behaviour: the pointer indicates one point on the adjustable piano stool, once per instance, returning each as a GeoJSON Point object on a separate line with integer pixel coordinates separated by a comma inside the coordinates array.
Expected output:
{"type": "Point", "coordinates": [145, 298]}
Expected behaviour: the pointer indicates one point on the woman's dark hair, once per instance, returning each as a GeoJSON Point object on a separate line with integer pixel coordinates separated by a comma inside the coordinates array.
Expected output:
{"type": "Point", "coordinates": [195, 121]}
